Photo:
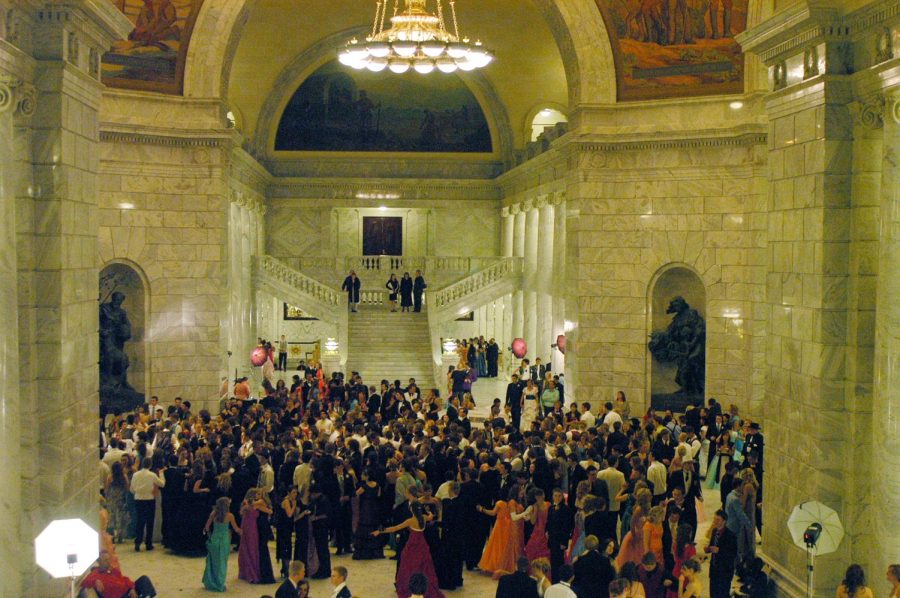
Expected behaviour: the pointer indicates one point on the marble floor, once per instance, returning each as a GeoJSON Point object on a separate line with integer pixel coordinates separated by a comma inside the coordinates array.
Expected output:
{"type": "Point", "coordinates": [181, 576]}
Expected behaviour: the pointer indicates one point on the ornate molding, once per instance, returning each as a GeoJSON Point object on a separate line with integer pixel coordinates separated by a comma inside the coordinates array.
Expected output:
{"type": "Point", "coordinates": [245, 201]}
{"type": "Point", "coordinates": [870, 112]}
{"type": "Point", "coordinates": [17, 95]}
{"type": "Point", "coordinates": [176, 141]}
{"type": "Point", "coordinates": [397, 189]}
{"type": "Point", "coordinates": [744, 139]}
{"type": "Point", "coordinates": [895, 110]}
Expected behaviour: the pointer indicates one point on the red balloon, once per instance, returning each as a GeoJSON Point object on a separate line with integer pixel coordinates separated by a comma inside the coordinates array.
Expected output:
{"type": "Point", "coordinates": [258, 356]}
{"type": "Point", "coordinates": [519, 347]}
{"type": "Point", "coordinates": [561, 343]}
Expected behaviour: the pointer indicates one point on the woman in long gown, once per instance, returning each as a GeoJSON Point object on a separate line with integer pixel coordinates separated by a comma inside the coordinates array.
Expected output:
{"type": "Point", "coordinates": [632, 549]}
{"type": "Point", "coordinates": [749, 491]}
{"type": "Point", "coordinates": [116, 503]}
{"type": "Point", "coordinates": [285, 530]}
{"type": "Point", "coordinates": [264, 534]}
{"type": "Point", "coordinates": [653, 532]}
{"type": "Point", "coordinates": [415, 558]}
{"type": "Point", "coordinates": [682, 550]}
{"type": "Point", "coordinates": [218, 546]}
{"type": "Point", "coordinates": [450, 564]}
{"type": "Point", "coordinates": [406, 292]}
{"type": "Point", "coordinates": [502, 547]}
{"type": "Point", "coordinates": [530, 396]}
{"type": "Point", "coordinates": [248, 553]}
{"type": "Point", "coordinates": [537, 543]}
{"type": "Point", "coordinates": [393, 287]}
{"type": "Point", "coordinates": [365, 546]}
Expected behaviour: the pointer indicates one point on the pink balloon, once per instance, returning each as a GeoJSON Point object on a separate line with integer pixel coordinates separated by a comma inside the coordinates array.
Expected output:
{"type": "Point", "coordinates": [258, 356]}
{"type": "Point", "coordinates": [561, 343]}
{"type": "Point", "coordinates": [519, 347]}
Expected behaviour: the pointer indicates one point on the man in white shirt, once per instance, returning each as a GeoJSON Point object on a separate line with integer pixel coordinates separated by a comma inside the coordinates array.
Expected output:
{"type": "Point", "coordinates": [588, 418]}
{"type": "Point", "coordinates": [115, 452]}
{"type": "Point", "coordinates": [563, 589]}
{"type": "Point", "coordinates": [339, 581]}
{"type": "Point", "coordinates": [143, 485]}
{"type": "Point", "coordinates": [615, 480]}
{"type": "Point", "coordinates": [657, 475]}
{"type": "Point", "coordinates": [266, 480]}
{"type": "Point", "coordinates": [611, 416]}
{"type": "Point", "coordinates": [302, 477]}
{"type": "Point", "coordinates": [693, 443]}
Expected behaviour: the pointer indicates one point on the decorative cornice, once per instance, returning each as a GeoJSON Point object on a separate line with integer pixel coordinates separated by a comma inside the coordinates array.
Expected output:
{"type": "Point", "coordinates": [174, 140]}
{"type": "Point", "coordinates": [246, 201]}
{"type": "Point", "coordinates": [790, 32]}
{"type": "Point", "coordinates": [656, 143]}
{"type": "Point", "coordinates": [386, 188]}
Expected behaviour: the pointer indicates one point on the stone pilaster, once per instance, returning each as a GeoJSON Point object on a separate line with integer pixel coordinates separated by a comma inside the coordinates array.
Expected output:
{"type": "Point", "coordinates": [529, 281]}
{"type": "Point", "coordinates": [544, 281]}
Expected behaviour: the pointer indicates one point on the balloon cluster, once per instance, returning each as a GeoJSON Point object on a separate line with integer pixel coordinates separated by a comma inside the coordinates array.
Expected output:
{"type": "Point", "coordinates": [258, 356]}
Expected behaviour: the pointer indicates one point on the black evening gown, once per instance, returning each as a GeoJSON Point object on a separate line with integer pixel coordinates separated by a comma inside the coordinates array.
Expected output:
{"type": "Point", "coordinates": [266, 575]}
{"type": "Point", "coordinates": [365, 546]}
{"type": "Point", "coordinates": [449, 564]}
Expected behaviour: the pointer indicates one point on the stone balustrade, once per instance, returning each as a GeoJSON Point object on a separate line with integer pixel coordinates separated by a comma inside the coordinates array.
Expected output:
{"type": "Point", "coordinates": [478, 282]}
{"type": "Point", "coordinates": [392, 263]}
{"type": "Point", "coordinates": [298, 281]}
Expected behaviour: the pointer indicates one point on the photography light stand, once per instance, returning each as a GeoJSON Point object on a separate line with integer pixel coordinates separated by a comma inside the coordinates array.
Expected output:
{"type": "Point", "coordinates": [810, 538]}
{"type": "Point", "coordinates": [71, 559]}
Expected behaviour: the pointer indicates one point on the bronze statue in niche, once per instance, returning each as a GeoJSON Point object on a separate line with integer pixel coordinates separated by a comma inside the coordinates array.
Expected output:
{"type": "Point", "coordinates": [683, 343]}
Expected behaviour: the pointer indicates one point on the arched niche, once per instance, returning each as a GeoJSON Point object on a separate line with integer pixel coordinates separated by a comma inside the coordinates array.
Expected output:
{"type": "Point", "coordinates": [127, 278]}
{"type": "Point", "coordinates": [677, 346]}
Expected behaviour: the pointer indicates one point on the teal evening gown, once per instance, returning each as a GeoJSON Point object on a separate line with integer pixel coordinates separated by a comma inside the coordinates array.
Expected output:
{"type": "Point", "coordinates": [218, 548]}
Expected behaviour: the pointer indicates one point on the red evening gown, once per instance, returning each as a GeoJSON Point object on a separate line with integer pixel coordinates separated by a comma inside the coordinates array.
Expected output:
{"type": "Point", "coordinates": [537, 542]}
{"type": "Point", "coordinates": [416, 558]}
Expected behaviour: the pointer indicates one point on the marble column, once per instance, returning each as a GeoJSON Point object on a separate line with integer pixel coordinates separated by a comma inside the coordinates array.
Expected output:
{"type": "Point", "coordinates": [886, 396]}
{"type": "Point", "coordinates": [12, 91]}
{"type": "Point", "coordinates": [59, 240]}
{"type": "Point", "coordinates": [508, 223]}
{"type": "Point", "coordinates": [544, 282]}
{"type": "Point", "coordinates": [529, 282]}
{"type": "Point", "coordinates": [559, 282]}
{"type": "Point", "coordinates": [518, 298]}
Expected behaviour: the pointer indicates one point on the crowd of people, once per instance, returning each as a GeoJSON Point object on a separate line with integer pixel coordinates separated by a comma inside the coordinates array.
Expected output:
{"type": "Point", "coordinates": [581, 502]}
{"type": "Point", "coordinates": [410, 291]}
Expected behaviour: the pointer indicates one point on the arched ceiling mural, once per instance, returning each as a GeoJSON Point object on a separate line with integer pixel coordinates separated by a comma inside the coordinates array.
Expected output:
{"type": "Point", "coordinates": [153, 57]}
{"type": "Point", "coordinates": [670, 48]}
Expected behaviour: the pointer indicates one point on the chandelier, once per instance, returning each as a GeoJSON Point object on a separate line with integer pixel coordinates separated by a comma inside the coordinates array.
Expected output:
{"type": "Point", "coordinates": [416, 39]}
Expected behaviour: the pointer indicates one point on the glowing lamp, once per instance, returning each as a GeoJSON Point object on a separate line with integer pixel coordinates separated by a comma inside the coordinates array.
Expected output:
{"type": "Point", "coordinates": [258, 356]}
{"type": "Point", "coordinates": [331, 345]}
{"type": "Point", "coordinates": [519, 347]}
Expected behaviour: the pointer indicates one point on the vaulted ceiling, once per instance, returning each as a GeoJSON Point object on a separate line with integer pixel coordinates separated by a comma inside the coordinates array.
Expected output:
{"type": "Point", "coordinates": [527, 72]}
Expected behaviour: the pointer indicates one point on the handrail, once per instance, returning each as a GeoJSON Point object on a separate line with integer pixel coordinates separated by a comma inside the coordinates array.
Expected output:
{"type": "Point", "coordinates": [428, 264]}
{"type": "Point", "coordinates": [299, 281]}
{"type": "Point", "coordinates": [477, 281]}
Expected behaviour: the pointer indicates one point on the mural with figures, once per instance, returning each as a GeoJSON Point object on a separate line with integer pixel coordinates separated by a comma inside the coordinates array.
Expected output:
{"type": "Point", "coordinates": [153, 56]}
{"type": "Point", "coordinates": [341, 109]}
{"type": "Point", "coordinates": [667, 48]}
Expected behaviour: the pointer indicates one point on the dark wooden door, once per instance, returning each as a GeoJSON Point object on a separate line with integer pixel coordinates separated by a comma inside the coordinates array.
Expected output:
{"type": "Point", "coordinates": [382, 235]}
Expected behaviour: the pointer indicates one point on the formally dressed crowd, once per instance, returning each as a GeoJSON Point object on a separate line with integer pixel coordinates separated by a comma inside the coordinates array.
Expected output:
{"type": "Point", "coordinates": [551, 501]}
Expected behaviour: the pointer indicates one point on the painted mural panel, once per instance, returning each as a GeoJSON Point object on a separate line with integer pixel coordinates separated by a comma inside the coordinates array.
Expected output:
{"type": "Point", "coordinates": [666, 48]}
{"type": "Point", "coordinates": [341, 109]}
{"type": "Point", "coordinates": [153, 56]}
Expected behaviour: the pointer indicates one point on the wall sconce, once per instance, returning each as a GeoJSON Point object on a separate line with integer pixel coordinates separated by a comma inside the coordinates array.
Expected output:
{"type": "Point", "coordinates": [331, 345]}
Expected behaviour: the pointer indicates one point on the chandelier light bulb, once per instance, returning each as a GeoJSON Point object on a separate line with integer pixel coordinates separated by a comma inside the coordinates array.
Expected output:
{"type": "Point", "coordinates": [416, 38]}
{"type": "Point", "coordinates": [398, 66]}
{"type": "Point", "coordinates": [424, 66]}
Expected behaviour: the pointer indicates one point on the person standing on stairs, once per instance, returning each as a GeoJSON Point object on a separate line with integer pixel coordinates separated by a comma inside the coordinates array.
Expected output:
{"type": "Point", "coordinates": [406, 292]}
{"type": "Point", "coordinates": [393, 287]}
{"type": "Point", "coordinates": [351, 286]}
{"type": "Point", "coordinates": [419, 287]}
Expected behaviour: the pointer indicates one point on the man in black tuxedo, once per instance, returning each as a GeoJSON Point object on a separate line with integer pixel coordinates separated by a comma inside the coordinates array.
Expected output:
{"type": "Point", "coordinates": [538, 371]}
{"type": "Point", "coordinates": [576, 475]}
{"type": "Point", "coordinates": [723, 550]}
{"type": "Point", "coordinates": [471, 496]}
{"type": "Point", "coordinates": [689, 482]}
{"type": "Point", "coordinates": [290, 587]}
{"type": "Point", "coordinates": [670, 534]}
{"type": "Point", "coordinates": [419, 287]}
{"type": "Point", "coordinates": [339, 581]}
{"type": "Point", "coordinates": [492, 355]}
{"type": "Point", "coordinates": [351, 286]}
{"type": "Point", "coordinates": [560, 522]}
{"type": "Point", "coordinates": [518, 584]}
{"type": "Point", "coordinates": [593, 571]}
{"type": "Point", "coordinates": [514, 400]}
{"type": "Point", "coordinates": [373, 403]}
{"type": "Point", "coordinates": [453, 409]}
{"type": "Point", "coordinates": [754, 443]}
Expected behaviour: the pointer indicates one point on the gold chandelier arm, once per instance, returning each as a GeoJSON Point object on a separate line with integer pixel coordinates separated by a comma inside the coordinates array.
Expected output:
{"type": "Point", "coordinates": [455, 23]}
{"type": "Point", "coordinates": [396, 7]}
{"type": "Point", "coordinates": [378, 9]}
{"type": "Point", "coordinates": [440, 14]}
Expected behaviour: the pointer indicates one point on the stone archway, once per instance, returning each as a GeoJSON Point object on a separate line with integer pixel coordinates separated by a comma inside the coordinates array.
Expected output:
{"type": "Point", "coordinates": [577, 26]}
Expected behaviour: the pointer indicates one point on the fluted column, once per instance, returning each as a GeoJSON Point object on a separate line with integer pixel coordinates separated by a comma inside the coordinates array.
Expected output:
{"type": "Point", "coordinates": [518, 298]}
{"type": "Point", "coordinates": [508, 222]}
{"type": "Point", "coordinates": [559, 281]}
{"type": "Point", "coordinates": [886, 396]}
{"type": "Point", "coordinates": [544, 281]}
{"type": "Point", "coordinates": [530, 280]}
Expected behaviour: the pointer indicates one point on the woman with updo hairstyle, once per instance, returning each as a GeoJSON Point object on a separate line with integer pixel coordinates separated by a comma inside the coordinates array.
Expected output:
{"type": "Point", "coordinates": [415, 557]}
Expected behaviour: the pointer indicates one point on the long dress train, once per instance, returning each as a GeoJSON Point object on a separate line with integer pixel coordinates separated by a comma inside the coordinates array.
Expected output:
{"type": "Point", "coordinates": [365, 546]}
{"type": "Point", "coordinates": [218, 546]}
{"type": "Point", "coordinates": [416, 558]}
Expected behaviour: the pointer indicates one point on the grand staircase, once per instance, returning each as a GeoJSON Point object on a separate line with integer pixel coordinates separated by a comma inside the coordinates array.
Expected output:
{"type": "Point", "coordinates": [392, 346]}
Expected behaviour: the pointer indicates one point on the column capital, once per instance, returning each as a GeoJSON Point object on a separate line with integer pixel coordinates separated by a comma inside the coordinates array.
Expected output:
{"type": "Point", "coordinates": [504, 211]}
{"type": "Point", "coordinates": [17, 95]}
{"type": "Point", "coordinates": [540, 202]}
{"type": "Point", "coordinates": [527, 205]}
{"type": "Point", "coordinates": [869, 112]}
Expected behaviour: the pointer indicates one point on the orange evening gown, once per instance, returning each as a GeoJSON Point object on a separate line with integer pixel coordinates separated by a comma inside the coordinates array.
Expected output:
{"type": "Point", "coordinates": [501, 551]}
{"type": "Point", "coordinates": [654, 533]}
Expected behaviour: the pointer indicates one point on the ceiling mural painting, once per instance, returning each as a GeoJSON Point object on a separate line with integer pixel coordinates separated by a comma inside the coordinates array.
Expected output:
{"type": "Point", "coordinates": [669, 48]}
{"type": "Point", "coordinates": [342, 109]}
{"type": "Point", "coordinates": [153, 56]}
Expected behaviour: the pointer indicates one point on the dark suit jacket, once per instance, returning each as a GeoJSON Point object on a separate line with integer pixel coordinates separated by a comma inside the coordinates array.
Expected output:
{"type": "Point", "coordinates": [345, 593]}
{"type": "Point", "coordinates": [722, 562]}
{"type": "Point", "coordinates": [514, 395]}
{"type": "Point", "coordinates": [517, 585]}
{"type": "Point", "coordinates": [286, 590]}
{"type": "Point", "coordinates": [593, 572]}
